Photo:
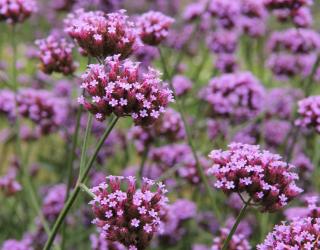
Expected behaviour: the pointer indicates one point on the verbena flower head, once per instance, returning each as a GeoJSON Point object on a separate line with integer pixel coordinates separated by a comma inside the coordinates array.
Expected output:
{"type": "Point", "coordinates": [11, 244]}
{"type": "Point", "coordinates": [302, 18]}
{"type": "Point", "coordinates": [281, 101]}
{"type": "Point", "coordinates": [181, 84]}
{"type": "Point", "coordinates": [56, 55]}
{"type": "Point", "coordinates": [119, 87]}
{"type": "Point", "coordinates": [237, 242]}
{"type": "Point", "coordinates": [98, 242]}
{"type": "Point", "coordinates": [287, 4]}
{"type": "Point", "coordinates": [53, 201]}
{"type": "Point", "coordinates": [7, 104]}
{"type": "Point", "coordinates": [226, 63]}
{"type": "Point", "coordinates": [16, 11]}
{"type": "Point", "coordinates": [8, 183]}
{"type": "Point", "coordinates": [239, 95]}
{"type": "Point", "coordinates": [126, 214]}
{"type": "Point", "coordinates": [276, 131]}
{"type": "Point", "coordinates": [309, 113]}
{"type": "Point", "coordinates": [223, 42]}
{"type": "Point", "coordinates": [100, 34]}
{"type": "Point", "coordinates": [153, 27]}
{"type": "Point", "coordinates": [263, 176]}
{"type": "Point", "coordinates": [226, 11]}
{"type": "Point", "coordinates": [311, 209]}
{"type": "Point", "coordinates": [301, 233]}
{"type": "Point", "coordinates": [296, 41]}
{"type": "Point", "coordinates": [45, 110]}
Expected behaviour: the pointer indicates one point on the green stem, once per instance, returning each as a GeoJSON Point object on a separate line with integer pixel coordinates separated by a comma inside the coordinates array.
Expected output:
{"type": "Point", "coordinates": [163, 62]}
{"type": "Point", "coordinates": [235, 226]}
{"type": "Point", "coordinates": [143, 161]}
{"type": "Point", "coordinates": [85, 145]}
{"type": "Point", "coordinates": [87, 190]}
{"type": "Point", "coordinates": [77, 188]}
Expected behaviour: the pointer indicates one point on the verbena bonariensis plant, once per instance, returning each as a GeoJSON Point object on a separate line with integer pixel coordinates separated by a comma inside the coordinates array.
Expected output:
{"type": "Point", "coordinates": [236, 76]}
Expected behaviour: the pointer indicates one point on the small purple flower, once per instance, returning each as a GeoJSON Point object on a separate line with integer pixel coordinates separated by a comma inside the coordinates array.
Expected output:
{"type": "Point", "coordinates": [16, 11]}
{"type": "Point", "coordinates": [309, 112]}
{"type": "Point", "coordinates": [181, 84]}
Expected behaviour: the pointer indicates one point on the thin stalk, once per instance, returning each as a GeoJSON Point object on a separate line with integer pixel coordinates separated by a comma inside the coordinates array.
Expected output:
{"type": "Point", "coordinates": [201, 65]}
{"type": "Point", "coordinates": [70, 160]}
{"type": "Point", "coordinates": [235, 226]}
{"type": "Point", "coordinates": [77, 188]}
{"type": "Point", "coordinates": [194, 153]}
{"type": "Point", "coordinates": [87, 190]}
{"type": "Point", "coordinates": [163, 62]}
{"type": "Point", "coordinates": [85, 145]}
{"type": "Point", "coordinates": [143, 161]}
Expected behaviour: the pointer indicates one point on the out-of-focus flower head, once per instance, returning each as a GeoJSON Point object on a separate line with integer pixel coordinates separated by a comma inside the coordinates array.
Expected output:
{"type": "Point", "coordinates": [264, 177]}
{"type": "Point", "coordinates": [223, 42]}
{"type": "Point", "coordinates": [129, 215]}
{"type": "Point", "coordinates": [276, 131]}
{"type": "Point", "coordinates": [226, 63]}
{"type": "Point", "coordinates": [16, 11]}
{"type": "Point", "coordinates": [308, 110]}
{"type": "Point", "coordinates": [119, 87]}
{"type": "Point", "coordinates": [281, 101]}
{"type": "Point", "coordinates": [53, 201]}
{"type": "Point", "coordinates": [181, 84]}
{"type": "Point", "coordinates": [311, 208]}
{"type": "Point", "coordinates": [194, 10]}
{"type": "Point", "coordinates": [248, 135]}
{"type": "Point", "coordinates": [11, 244]}
{"type": "Point", "coordinates": [100, 34]}
{"type": "Point", "coordinates": [7, 104]}
{"type": "Point", "coordinates": [295, 41]}
{"type": "Point", "coordinates": [55, 55]}
{"type": "Point", "coordinates": [226, 12]}
{"type": "Point", "coordinates": [43, 108]}
{"type": "Point", "coordinates": [300, 233]}
{"type": "Point", "coordinates": [239, 96]}
{"type": "Point", "coordinates": [8, 183]}
{"type": "Point", "coordinates": [287, 4]}
{"type": "Point", "coordinates": [153, 27]}
{"type": "Point", "coordinates": [99, 242]}
{"type": "Point", "coordinates": [216, 128]}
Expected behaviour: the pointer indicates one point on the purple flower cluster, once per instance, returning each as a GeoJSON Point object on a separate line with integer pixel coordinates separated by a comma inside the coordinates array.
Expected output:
{"type": "Point", "coordinates": [309, 111]}
{"type": "Point", "coordinates": [153, 27]}
{"type": "Point", "coordinates": [24, 244]}
{"type": "Point", "coordinates": [130, 216]}
{"type": "Point", "coordinates": [53, 201]}
{"type": "Point", "coordinates": [9, 184]}
{"type": "Point", "coordinates": [223, 41]}
{"type": "Point", "coordinates": [268, 181]}
{"type": "Point", "coordinates": [286, 4]}
{"type": "Point", "coordinates": [100, 34]}
{"type": "Point", "coordinates": [226, 63]}
{"type": "Point", "coordinates": [16, 11]}
{"type": "Point", "coordinates": [312, 209]}
{"type": "Point", "coordinates": [7, 104]}
{"type": "Point", "coordinates": [98, 242]}
{"type": "Point", "coordinates": [45, 110]}
{"type": "Point", "coordinates": [302, 233]}
{"type": "Point", "coordinates": [119, 87]}
{"type": "Point", "coordinates": [276, 131]}
{"type": "Point", "coordinates": [239, 96]}
{"type": "Point", "coordinates": [181, 84]}
{"type": "Point", "coordinates": [55, 55]}
{"type": "Point", "coordinates": [238, 241]}
{"type": "Point", "coordinates": [295, 41]}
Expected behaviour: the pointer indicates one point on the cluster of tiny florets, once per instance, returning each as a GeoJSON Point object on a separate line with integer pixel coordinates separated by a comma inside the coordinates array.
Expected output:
{"type": "Point", "coordinates": [55, 55]}
{"type": "Point", "coordinates": [223, 42]}
{"type": "Point", "coordinates": [263, 176]}
{"type": "Point", "coordinates": [119, 87]}
{"type": "Point", "coordinates": [297, 41]}
{"type": "Point", "coordinates": [286, 4]}
{"type": "Point", "coordinates": [301, 233]}
{"type": "Point", "coordinates": [153, 27]}
{"type": "Point", "coordinates": [53, 202]}
{"type": "Point", "coordinates": [181, 85]}
{"type": "Point", "coordinates": [45, 110]}
{"type": "Point", "coordinates": [7, 104]}
{"type": "Point", "coordinates": [239, 95]}
{"type": "Point", "coordinates": [100, 34]}
{"type": "Point", "coordinates": [129, 215]}
{"type": "Point", "coordinates": [309, 113]}
{"type": "Point", "coordinates": [16, 11]}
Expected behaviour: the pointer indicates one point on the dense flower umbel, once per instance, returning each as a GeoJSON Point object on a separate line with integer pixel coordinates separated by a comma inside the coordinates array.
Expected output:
{"type": "Point", "coordinates": [56, 55]}
{"type": "Point", "coordinates": [295, 41]}
{"type": "Point", "coordinates": [100, 34]}
{"type": "Point", "coordinates": [44, 109]}
{"type": "Point", "coordinates": [129, 215]}
{"type": "Point", "coordinates": [119, 87]}
{"type": "Point", "coordinates": [286, 4]}
{"type": "Point", "coordinates": [238, 241]}
{"type": "Point", "coordinates": [16, 11]}
{"type": "Point", "coordinates": [312, 209]}
{"type": "Point", "coordinates": [53, 201]}
{"type": "Point", "coordinates": [153, 27]}
{"type": "Point", "coordinates": [239, 95]}
{"type": "Point", "coordinates": [301, 233]}
{"type": "Point", "coordinates": [267, 180]}
{"type": "Point", "coordinates": [309, 113]}
{"type": "Point", "coordinates": [223, 42]}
